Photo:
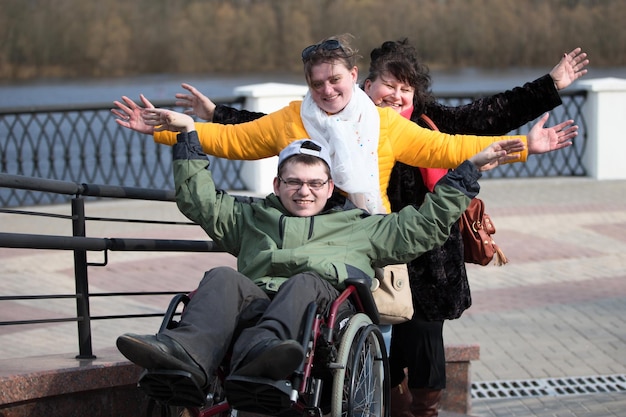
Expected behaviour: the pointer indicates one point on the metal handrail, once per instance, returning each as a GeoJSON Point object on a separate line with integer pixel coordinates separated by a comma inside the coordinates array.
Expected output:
{"type": "Point", "coordinates": [80, 244]}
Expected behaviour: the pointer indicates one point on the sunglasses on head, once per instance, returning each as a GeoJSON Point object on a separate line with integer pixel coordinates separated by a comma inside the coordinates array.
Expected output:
{"type": "Point", "coordinates": [327, 45]}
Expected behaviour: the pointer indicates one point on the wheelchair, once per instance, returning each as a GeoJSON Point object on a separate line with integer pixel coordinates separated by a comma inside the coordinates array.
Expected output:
{"type": "Point", "coordinates": [344, 373]}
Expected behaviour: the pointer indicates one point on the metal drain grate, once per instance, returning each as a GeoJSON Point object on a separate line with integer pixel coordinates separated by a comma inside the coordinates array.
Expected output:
{"type": "Point", "coordinates": [549, 386]}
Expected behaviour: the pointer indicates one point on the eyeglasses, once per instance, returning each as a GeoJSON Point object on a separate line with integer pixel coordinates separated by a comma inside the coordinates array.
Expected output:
{"type": "Point", "coordinates": [327, 45]}
{"type": "Point", "coordinates": [293, 184]}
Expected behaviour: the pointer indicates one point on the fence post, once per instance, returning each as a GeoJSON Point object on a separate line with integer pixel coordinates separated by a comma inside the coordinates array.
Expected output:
{"type": "Point", "coordinates": [81, 281]}
{"type": "Point", "coordinates": [257, 175]}
{"type": "Point", "coordinates": [605, 110]}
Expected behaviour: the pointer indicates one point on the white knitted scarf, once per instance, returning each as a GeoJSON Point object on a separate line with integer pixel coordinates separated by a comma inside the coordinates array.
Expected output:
{"type": "Point", "coordinates": [352, 137]}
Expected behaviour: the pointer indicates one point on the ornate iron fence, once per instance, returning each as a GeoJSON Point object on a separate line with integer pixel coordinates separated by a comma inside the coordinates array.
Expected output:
{"type": "Point", "coordinates": [83, 144]}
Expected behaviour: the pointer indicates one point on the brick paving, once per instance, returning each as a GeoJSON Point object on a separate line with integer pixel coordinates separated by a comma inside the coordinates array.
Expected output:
{"type": "Point", "coordinates": [557, 310]}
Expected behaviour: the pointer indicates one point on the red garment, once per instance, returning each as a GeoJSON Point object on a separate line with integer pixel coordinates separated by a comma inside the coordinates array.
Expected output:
{"type": "Point", "coordinates": [430, 175]}
{"type": "Point", "coordinates": [407, 113]}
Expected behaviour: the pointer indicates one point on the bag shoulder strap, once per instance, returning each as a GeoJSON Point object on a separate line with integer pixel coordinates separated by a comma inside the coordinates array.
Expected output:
{"type": "Point", "coordinates": [429, 122]}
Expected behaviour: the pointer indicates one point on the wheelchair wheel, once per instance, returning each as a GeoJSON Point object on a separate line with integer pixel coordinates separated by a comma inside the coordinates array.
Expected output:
{"type": "Point", "coordinates": [361, 380]}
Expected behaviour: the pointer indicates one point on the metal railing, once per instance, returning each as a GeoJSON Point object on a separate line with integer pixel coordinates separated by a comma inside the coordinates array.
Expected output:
{"type": "Point", "coordinates": [83, 143]}
{"type": "Point", "coordinates": [80, 244]}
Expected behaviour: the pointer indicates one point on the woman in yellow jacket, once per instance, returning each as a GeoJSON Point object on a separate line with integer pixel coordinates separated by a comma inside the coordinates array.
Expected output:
{"type": "Point", "coordinates": [365, 140]}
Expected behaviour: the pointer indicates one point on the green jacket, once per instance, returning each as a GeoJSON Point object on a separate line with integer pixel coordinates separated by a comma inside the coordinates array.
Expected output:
{"type": "Point", "coordinates": [271, 245]}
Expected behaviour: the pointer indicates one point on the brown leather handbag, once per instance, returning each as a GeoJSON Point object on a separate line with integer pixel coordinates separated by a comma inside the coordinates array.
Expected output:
{"type": "Point", "coordinates": [477, 230]}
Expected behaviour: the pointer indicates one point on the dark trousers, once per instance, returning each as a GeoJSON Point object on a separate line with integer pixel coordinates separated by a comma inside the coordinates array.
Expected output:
{"type": "Point", "coordinates": [228, 307]}
{"type": "Point", "coordinates": [418, 345]}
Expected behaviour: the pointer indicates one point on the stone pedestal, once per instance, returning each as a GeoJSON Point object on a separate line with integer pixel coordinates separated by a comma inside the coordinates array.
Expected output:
{"type": "Point", "coordinates": [457, 397]}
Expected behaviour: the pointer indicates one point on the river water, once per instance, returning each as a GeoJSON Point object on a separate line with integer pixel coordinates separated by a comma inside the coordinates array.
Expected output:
{"type": "Point", "coordinates": [164, 86]}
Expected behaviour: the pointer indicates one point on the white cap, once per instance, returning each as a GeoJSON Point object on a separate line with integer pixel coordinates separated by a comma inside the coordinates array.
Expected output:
{"type": "Point", "coordinates": [306, 147]}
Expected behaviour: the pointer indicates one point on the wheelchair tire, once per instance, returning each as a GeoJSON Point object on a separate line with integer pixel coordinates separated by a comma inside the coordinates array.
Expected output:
{"type": "Point", "coordinates": [361, 381]}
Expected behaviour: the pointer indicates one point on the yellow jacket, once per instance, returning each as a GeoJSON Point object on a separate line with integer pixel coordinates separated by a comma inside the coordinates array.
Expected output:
{"type": "Point", "coordinates": [400, 140]}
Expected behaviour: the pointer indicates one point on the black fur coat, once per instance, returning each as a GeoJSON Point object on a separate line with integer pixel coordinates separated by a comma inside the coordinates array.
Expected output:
{"type": "Point", "coordinates": [438, 278]}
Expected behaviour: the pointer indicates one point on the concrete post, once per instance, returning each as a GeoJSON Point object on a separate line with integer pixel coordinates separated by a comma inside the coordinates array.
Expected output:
{"type": "Point", "coordinates": [268, 97]}
{"type": "Point", "coordinates": [605, 112]}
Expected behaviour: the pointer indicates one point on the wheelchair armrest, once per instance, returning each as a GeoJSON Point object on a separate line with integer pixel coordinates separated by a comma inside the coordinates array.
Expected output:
{"type": "Point", "coordinates": [168, 318]}
{"type": "Point", "coordinates": [362, 284]}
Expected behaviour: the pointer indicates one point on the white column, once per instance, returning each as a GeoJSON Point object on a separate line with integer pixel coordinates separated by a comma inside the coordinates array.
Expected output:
{"type": "Point", "coordinates": [266, 98]}
{"type": "Point", "coordinates": [605, 113]}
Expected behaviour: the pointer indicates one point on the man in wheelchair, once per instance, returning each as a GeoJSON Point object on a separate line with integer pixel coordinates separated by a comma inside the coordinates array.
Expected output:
{"type": "Point", "coordinates": [293, 247]}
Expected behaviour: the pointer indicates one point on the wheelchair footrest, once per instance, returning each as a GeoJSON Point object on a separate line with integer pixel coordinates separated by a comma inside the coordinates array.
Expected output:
{"type": "Point", "coordinates": [258, 395]}
{"type": "Point", "coordinates": [171, 387]}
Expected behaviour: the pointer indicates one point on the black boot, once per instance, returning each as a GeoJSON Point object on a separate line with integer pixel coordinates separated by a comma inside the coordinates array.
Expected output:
{"type": "Point", "coordinates": [273, 359]}
{"type": "Point", "coordinates": [159, 352]}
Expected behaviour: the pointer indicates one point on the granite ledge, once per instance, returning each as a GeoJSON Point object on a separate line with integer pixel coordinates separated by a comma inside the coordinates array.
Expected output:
{"type": "Point", "coordinates": [27, 379]}
{"type": "Point", "coordinates": [462, 352]}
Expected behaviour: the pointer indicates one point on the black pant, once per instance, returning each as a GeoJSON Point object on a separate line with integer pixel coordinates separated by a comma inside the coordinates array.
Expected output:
{"type": "Point", "coordinates": [418, 345]}
{"type": "Point", "coordinates": [227, 302]}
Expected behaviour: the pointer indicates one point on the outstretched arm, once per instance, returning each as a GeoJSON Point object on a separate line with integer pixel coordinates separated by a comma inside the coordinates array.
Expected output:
{"type": "Point", "coordinates": [129, 114]}
{"type": "Point", "coordinates": [570, 68]}
{"type": "Point", "coordinates": [197, 198]}
{"type": "Point", "coordinates": [497, 153]}
{"type": "Point", "coordinates": [546, 139]}
{"type": "Point", "coordinates": [163, 119]}
{"type": "Point", "coordinates": [416, 229]}
{"type": "Point", "coordinates": [503, 112]}
{"type": "Point", "coordinates": [203, 107]}
{"type": "Point", "coordinates": [195, 103]}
